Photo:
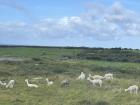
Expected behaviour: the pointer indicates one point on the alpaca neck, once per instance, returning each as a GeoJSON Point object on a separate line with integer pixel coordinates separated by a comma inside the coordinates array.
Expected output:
{"type": "Point", "coordinates": [27, 82]}
{"type": "Point", "coordinates": [90, 80]}
{"type": "Point", "coordinates": [47, 80]}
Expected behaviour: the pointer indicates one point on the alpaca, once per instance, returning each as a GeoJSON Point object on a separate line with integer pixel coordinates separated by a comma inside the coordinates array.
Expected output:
{"type": "Point", "coordinates": [95, 81]}
{"type": "Point", "coordinates": [10, 84]}
{"type": "Point", "coordinates": [49, 82]}
{"type": "Point", "coordinates": [132, 89]}
{"type": "Point", "coordinates": [96, 77]}
{"type": "Point", "coordinates": [65, 83]}
{"type": "Point", "coordinates": [82, 76]}
{"type": "Point", "coordinates": [37, 78]}
{"type": "Point", "coordinates": [108, 76]}
{"type": "Point", "coordinates": [30, 85]}
{"type": "Point", "coordinates": [2, 83]}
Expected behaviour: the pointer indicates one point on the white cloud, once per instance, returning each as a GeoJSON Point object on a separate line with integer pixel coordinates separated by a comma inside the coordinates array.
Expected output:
{"type": "Point", "coordinates": [99, 22]}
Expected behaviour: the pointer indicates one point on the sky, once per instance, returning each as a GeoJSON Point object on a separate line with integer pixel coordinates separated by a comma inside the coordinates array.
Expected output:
{"type": "Point", "coordinates": [89, 23]}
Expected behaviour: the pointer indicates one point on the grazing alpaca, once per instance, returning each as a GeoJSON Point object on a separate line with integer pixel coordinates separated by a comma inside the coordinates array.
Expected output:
{"type": "Point", "coordinates": [2, 84]}
{"type": "Point", "coordinates": [108, 76]}
{"type": "Point", "coordinates": [96, 77]}
{"type": "Point", "coordinates": [30, 85]}
{"type": "Point", "coordinates": [95, 81]}
{"type": "Point", "coordinates": [10, 84]}
{"type": "Point", "coordinates": [132, 89]}
{"type": "Point", "coordinates": [49, 82]}
{"type": "Point", "coordinates": [65, 83]}
{"type": "Point", "coordinates": [82, 76]}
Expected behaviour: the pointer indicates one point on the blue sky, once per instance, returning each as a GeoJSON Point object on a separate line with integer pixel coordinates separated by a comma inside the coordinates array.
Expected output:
{"type": "Point", "coordinates": [92, 23]}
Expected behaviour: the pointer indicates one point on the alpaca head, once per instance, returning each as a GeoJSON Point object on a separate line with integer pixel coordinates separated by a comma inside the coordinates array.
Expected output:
{"type": "Point", "coordinates": [26, 80]}
{"type": "Point", "coordinates": [4, 84]}
{"type": "Point", "coordinates": [89, 75]}
{"type": "Point", "coordinates": [47, 79]}
{"type": "Point", "coordinates": [126, 90]}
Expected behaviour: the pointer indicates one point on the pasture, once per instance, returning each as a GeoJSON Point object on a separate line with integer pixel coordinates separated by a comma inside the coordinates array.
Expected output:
{"type": "Point", "coordinates": [58, 64]}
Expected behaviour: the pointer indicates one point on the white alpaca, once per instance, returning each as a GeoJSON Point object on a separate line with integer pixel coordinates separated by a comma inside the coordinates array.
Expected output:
{"type": "Point", "coordinates": [65, 83]}
{"type": "Point", "coordinates": [2, 83]}
{"type": "Point", "coordinates": [95, 81]}
{"type": "Point", "coordinates": [10, 84]}
{"type": "Point", "coordinates": [132, 89]}
{"type": "Point", "coordinates": [96, 77]}
{"type": "Point", "coordinates": [108, 76]}
{"type": "Point", "coordinates": [30, 85]}
{"type": "Point", "coordinates": [49, 82]}
{"type": "Point", "coordinates": [36, 64]}
{"type": "Point", "coordinates": [37, 78]}
{"type": "Point", "coordinates": [82, 76]}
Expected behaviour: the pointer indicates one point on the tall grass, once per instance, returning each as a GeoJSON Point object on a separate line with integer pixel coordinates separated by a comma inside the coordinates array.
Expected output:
{"type": "Point", "coordinates": [50, 64]}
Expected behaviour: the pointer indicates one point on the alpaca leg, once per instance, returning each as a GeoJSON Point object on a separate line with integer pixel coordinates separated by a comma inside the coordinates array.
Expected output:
{"type": "Point", "coordinates": [100, 84]}
{"type": "Point", "coordinates": [94, 84]}
{"type": "Point", "coordinates": [136, 91]}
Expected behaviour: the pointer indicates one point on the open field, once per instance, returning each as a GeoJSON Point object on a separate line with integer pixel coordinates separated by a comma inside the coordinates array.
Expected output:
{"type": "Point", "coordinates": [55, 64]}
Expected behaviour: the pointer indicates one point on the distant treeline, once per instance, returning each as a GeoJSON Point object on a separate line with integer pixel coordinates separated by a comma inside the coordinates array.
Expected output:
{"type": "Point", "coordinates": [67, 47]}
{"type": "Point", "coordinates": [112, 54]}
{"type": "Point", "coordinates": [37, 46]}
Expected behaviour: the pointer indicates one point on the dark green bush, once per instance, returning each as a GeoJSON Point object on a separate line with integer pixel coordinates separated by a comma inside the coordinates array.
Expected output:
{"type": "Point", "coordinates": [113, 54]}
{"type": "Point", "coordinates": [36, 59]}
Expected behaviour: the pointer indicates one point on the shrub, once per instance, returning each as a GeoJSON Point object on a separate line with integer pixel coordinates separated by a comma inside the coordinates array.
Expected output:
{"type": "Point", "coordinates": [36, 59]}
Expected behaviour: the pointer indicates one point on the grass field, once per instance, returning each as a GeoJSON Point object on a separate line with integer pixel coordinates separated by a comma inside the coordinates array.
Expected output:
{"type": "Point", "coordinates": [53, 64]}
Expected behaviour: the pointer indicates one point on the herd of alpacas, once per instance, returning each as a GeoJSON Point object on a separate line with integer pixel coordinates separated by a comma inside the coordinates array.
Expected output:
{"type": "Point", "coordinates": [95, 80]}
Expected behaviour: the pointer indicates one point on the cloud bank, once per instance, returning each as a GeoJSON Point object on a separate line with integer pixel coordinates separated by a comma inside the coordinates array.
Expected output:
{"type": "Point", "coordinates": [99, 22]}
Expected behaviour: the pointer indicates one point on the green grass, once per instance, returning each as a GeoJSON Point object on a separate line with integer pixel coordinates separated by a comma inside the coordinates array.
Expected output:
{"type": "Point", "coordinates": [52, 66]}
{"type": "Point", "coordinates": [37, 52]}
